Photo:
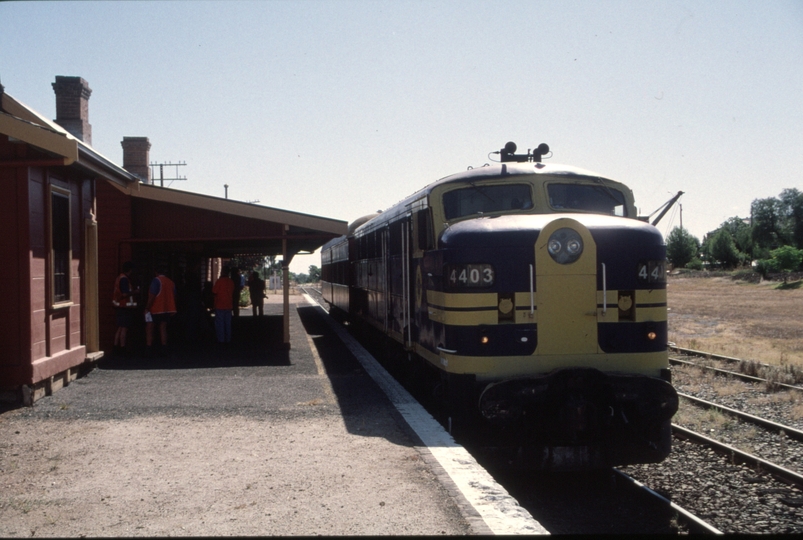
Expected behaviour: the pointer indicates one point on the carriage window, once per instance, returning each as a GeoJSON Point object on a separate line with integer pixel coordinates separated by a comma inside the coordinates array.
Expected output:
{"type": "Point", "coordinates": [60, 245]}
{"type": "Point", "coordinates": [589, 198]}
{"type": "Point", "coordinates": [482, 199]}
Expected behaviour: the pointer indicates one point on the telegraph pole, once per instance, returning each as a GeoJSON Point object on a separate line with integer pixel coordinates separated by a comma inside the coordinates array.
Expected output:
{"type": "Point", "coordinates": [162, 171]}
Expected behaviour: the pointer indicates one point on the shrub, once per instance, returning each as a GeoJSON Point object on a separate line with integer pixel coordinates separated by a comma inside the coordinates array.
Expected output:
{"type": "Point", "coordinates": [767, 266]}
{"type": "Point", "coordinates": [695, 264]}
{"type": "Point", "coordinates": [787, 257]}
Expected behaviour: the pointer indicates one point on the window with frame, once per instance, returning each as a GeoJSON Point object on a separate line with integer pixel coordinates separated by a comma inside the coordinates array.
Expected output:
{"type": "Point", "coordinates": [479, 198]}
{"type": "Point", "coordinates": [596, 198]}
{"type": "Point", "coordinates": [60, 245]}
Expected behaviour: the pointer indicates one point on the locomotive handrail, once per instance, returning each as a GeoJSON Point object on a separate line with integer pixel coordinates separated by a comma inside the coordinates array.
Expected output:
{"type": "Point", "coordinates": [532, 293]}
{"type": "Point", "coordinates": [604, 292]}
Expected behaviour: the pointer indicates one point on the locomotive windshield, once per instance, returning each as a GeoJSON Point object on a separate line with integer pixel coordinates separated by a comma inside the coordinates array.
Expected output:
{"type": "Point", "coordinates": [599, 199]}
{"type": "Point", "coordinates": [481, 199]}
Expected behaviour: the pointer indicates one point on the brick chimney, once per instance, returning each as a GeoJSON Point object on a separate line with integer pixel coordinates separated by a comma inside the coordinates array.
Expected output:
{"type": "Point", "coordinates": [136, 157]}
{"type": "Point", "coordinates": [72, 106]}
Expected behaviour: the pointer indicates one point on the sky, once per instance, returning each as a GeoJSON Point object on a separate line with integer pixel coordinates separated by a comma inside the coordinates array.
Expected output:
{"type": "Point", "coordinates": [342, 108]}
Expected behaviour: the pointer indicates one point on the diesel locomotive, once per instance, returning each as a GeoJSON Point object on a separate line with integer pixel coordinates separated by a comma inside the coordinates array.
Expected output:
{"type": "Point", "coordinates": [535, 296]}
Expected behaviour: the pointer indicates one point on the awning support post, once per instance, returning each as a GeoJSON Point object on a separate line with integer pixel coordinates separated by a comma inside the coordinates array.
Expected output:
{"type": "Point", "coordinates": [286, 287]}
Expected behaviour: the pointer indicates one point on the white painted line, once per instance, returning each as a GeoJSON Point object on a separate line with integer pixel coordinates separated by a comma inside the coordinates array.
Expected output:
{"type": "Point", "coordinates": [498, 509]}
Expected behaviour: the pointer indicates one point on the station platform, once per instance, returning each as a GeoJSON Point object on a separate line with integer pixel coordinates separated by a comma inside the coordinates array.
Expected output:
{"type": "Point", "coordinates": [249, 439]}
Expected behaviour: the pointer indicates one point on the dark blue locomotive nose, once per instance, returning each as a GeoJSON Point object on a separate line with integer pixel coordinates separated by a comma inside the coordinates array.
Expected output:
{"type": "Point", "coordinates": [574, 283]}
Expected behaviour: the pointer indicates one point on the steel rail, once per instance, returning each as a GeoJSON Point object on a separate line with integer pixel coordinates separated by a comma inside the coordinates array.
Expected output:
{"type": "Point", "coordinates": [792, 433]}
{"type": "Point", "coordinates": [736, 374]}
{"type": "Point", "coordinates": [693, 352]}
{"type": "Point", "coordinates": [781, 473]}
{"type": "Point", "coordinates": [694, 522]}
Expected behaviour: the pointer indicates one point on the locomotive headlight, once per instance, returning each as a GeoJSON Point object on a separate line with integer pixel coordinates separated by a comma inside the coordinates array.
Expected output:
{"type": "Point", "coordinates": [565, 246]}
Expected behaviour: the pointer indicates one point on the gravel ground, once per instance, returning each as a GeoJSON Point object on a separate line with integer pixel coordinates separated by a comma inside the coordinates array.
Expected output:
{"type": "Point", "coordinates": [781, 407]}
{"type": "Point", "coordinates": [734, 498]}
{"type": "Point", "coordinates": [226, 442]}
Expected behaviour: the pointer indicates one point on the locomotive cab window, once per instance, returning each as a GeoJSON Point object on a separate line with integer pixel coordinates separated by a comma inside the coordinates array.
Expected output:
{"type": "Point", "coordinates": [595, 198]}
{"type": "Point", "coordinates": [483, 199]}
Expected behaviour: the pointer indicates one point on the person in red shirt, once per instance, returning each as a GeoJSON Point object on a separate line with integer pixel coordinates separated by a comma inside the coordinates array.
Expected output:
{"type": "Point", "coordinates": [161, 306]}
{"type": "Point", "coordinates": [223, 291]}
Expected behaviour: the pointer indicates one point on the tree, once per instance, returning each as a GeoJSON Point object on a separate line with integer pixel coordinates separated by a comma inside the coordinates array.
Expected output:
{"type": "Point", "coordinates": [789, 258]}
{"type": "Point", "coordinates": [766, 217]}
{"type": "Point", "coordinates": [723, 249]}
{"type": "Point", "coordinates": [770, 221]}
{"type": "Point", "coordinates": [314, 274]}
{"type": "Point", "coordinates": [741, 233]}
{"type": "Point", "coordinates": [681, 247]}
{"type": "Point", "coordinates": [791, 205]}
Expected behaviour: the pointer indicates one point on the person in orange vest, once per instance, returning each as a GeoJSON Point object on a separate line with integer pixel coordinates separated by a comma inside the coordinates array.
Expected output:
{"type": "Point", "coordinates": [125, 304]}
{"type": "Point", "coordinates": [161, 306]}
{"type": "Point", "coordinates": [224, 303]}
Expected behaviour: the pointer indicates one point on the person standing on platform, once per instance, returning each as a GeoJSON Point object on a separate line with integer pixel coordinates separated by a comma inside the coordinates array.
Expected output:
{"type": "Point", "coordinates": [224, 297]}
{"type": "Point", "coordinates": [256, 290]}
{"type": "Point", "coordinates": [125, 305]}
{"type": "Point", "coordinates": [161, 306]}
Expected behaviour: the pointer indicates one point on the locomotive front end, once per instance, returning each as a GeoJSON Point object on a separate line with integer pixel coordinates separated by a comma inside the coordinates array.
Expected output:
{"type": "Point", "coordinates": [552, 322]}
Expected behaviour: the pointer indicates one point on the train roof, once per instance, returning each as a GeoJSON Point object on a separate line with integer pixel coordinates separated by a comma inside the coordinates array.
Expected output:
{"type": "Point", "coordinates": [498, 170]}
{"type": "Point", "coordinates": [513, 169]}
{"type": "Point", "coordinates": [487, 171]}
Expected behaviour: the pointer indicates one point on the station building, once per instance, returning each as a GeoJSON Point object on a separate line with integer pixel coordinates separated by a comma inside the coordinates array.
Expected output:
{"type": "Point", "coordinates": [70, 217]}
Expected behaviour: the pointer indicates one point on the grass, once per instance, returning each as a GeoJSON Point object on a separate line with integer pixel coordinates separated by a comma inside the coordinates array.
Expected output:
{"type": "Point", "coordinates": [755, 321]}
{"type": "Point", "coordinates": [703, 420]}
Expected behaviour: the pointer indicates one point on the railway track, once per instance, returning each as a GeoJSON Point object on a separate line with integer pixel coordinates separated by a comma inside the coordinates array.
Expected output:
{"type": "Point", "coordinates": [730, 361]}
{"type": "Point", "coordinates": [791, 490]}
{"type": "Point", "coordinates": [732, 491]}
{"type": "Point", "coordinates": [694, 523]}
{"type": "Point", "coordinates": [741, 457]}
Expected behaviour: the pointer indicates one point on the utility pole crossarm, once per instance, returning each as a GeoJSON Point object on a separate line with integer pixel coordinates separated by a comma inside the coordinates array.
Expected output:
{"type": "Point", "coordinates": [162, 171]}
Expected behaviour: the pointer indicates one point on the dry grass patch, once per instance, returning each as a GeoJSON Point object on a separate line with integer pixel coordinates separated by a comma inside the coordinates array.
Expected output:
{"type": "Point", "coordinates": [736, 318]}
{"type": "Point", "coordinates": [702, 420]}
{"type": "Point", "coordinates": [797, 411]}
{"type": "Point", "coordinates": [729, 387]}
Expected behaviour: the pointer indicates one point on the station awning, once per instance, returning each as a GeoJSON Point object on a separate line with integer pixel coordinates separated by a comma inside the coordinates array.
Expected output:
{"type": "Point", "coordinates": [217, 227]}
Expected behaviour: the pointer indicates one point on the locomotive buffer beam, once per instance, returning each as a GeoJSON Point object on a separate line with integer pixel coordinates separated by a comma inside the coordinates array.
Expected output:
{"type": "Point", "coordinates": [574, 404]}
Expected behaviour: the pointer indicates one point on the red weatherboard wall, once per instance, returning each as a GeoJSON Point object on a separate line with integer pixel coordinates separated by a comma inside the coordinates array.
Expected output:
{"type": "Point", "coordinates": [114, 226]}
{"type": "Point", "coordinates": [15, 285]}
{"type": "Point", "coordinates": [37, 341]}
